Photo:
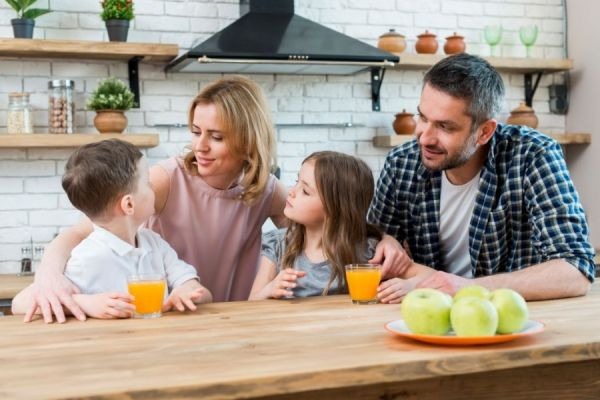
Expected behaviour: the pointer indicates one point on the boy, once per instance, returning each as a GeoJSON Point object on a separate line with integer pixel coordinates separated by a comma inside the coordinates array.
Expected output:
{"type": "Point", "coordinates": [108, 182]}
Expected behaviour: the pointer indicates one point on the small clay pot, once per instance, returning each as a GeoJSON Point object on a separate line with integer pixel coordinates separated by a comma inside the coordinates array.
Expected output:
{"type": "Point", "coordinates": [426, 44]}
{"type": "Point", "coordinates": [523, 115]}
{"type": "Point", "coordinates": [110, 121]}
{"type": "Point", "coordinates": [392, 41]}
{"type": "Point", "coordinates": [404, 124]}
{"type": "Point", "coordinates": [455, 44]}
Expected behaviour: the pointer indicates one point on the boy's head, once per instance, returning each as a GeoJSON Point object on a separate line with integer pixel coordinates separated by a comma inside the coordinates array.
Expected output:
{"type": "Point", "coordinates": [99, 174]}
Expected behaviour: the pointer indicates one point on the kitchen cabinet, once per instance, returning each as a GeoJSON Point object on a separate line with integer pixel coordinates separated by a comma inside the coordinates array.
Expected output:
{"type": "Point", "coordinates": [56, 141]}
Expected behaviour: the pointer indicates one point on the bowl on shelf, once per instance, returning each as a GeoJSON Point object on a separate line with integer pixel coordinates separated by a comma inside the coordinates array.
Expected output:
{"type": "Point", "coordinates": [392, 42]}
{"type": "Point", "coordinates": [523, 115]}
{"type": "Point", "coordinates": [455, 44]}
{"type": "Point", "coordinates": [404, 124]}
{"type": "Point", "coordinates": [426, 43]}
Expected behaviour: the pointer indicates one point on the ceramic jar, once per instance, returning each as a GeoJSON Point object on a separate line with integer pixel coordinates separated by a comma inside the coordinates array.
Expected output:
{"type": "Point", "coordinates": [404, 124]}
{"type": "Point", "coordinates": [426, 43]}
{"type": "Point", "coordinates": [392, 41]}
{"type": "Point", "coordinates": [523, 115]}
{"type": "Point", "coordinates": [455, 44]}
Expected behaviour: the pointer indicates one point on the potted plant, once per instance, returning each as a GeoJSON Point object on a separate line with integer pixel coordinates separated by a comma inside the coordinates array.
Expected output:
{"type": "Point", "coordinates": [25, 21]}
{"type": "Point", "coordinates": [117, 14]}
{"type": "Point", "coordinates": [110, 100]}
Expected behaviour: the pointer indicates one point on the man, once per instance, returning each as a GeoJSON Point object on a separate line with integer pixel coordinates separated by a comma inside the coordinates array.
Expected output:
{"type": "Point", "coordinates": [481, 202]}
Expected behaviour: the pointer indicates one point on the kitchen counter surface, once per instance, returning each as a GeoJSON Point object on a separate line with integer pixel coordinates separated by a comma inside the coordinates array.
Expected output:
{"type": "Point", "coordinates": [322, 347]}
{"type": "Point", "coordinates": [12, 284]}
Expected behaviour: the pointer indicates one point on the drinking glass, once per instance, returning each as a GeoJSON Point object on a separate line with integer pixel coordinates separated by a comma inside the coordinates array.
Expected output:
{"type": "Point", "coordinates": [363, 280]}
{"type": "Point", "coordinates": [148, 291]}
{"type": "Point", "coordinates": [528, 35]}
{"type": "Point", "coordinates": [492, 35]}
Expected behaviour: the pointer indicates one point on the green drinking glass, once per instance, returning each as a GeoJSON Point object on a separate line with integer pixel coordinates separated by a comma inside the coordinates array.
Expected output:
{"type": "Point", "coordinates": [492, 35]}
{"type": "Point", "coordinates": [528, 35]}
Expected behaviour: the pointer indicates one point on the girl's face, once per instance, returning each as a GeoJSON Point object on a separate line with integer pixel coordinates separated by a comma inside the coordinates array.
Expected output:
{"type": "Point", "coordinates": [303, 204]}
{"type": "Point", "coordinates": [216, 164]}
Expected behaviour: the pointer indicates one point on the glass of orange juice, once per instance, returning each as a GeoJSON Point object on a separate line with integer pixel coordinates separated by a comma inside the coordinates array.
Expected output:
{"type": "Point", "coordinates": [363, 280]}
{"type": "Point", "coordinates": [148, 291]}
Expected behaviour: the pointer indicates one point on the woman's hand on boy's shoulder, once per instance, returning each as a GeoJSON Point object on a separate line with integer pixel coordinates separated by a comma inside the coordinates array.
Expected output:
{"type": "Point", "coordinates": [392, 255]}
{"type": "Point", "coordinates": [106, 305]}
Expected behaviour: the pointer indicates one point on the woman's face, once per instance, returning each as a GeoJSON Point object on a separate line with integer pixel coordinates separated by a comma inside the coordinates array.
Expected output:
{"type": "Point", "coordinates": [216, 164]}
{"type": "Point", "coordinates": [303, 204]}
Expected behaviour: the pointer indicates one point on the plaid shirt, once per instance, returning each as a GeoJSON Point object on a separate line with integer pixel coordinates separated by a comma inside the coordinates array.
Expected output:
{"type": "Point", "coordinates": [526, 212]}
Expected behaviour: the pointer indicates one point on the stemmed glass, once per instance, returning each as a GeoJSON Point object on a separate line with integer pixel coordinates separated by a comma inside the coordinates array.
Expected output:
{"type": "Point", "coordinates": [492, 35]}
{"type": "Point", "coordinates": [528, 35]}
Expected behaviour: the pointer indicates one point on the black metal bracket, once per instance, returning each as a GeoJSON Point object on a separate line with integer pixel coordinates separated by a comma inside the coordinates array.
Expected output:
{"type": "Point", "coordinates": [134, 79]}
{"type": "Point", "coordinates": [376, 81]}
{"type": "Point", "coordinates": [529, 88]}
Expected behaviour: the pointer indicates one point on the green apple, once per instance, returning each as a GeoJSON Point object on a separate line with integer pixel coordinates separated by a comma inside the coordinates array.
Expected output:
{"type": "Point", "coordinates": [472, 316]}
{"type": "Point", "coordinates": [473, 290]}
{"type": "Point", "coordinates": [427, 311]}
{"type": "Point", "coordinates": [512, 310]}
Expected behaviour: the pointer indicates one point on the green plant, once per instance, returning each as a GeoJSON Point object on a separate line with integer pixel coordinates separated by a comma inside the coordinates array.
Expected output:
{"type": "Point", "coordinates": [117, 9]}
{"type": "Point", "coordinates": [111, 94]}
{"type": "Point", "coordinates": [23, 10]}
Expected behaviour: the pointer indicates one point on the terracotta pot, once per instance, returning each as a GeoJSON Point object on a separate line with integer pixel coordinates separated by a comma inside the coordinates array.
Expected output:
{"type": "Point", "coordinates": [455, 44]}
{"type": "Point", "coordinates": [392, 41]}
{"type": "Point", "coordinates": [404, 124]}
{"type": "Point", "coordinates": [426, 44]}
{"type": "Point", "coordinates": [110, 121]}
{"type": "Point", "coordinates": [523, 115]}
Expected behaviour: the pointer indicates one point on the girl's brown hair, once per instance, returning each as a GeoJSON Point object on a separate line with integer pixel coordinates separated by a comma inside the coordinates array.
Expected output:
{"type": "Point", "coordinates": [249, 133]}
{"type": "Point", "coordinates": [345, 185]}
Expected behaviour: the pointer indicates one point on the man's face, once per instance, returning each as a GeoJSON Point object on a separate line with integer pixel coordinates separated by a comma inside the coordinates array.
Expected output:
{"type": "Point", "coordinates": [444, 130]}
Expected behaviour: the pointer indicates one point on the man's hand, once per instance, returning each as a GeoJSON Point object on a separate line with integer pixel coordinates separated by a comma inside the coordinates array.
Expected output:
{"type": "Point", "coordinates": [283, 282]}
{"type": "Point", "coordinates": [393, 290]}
{"type": "Point", "coordinates": [185, 296]}
{"type": "Point", "coordinates": [107, 305]}
{"type": "Point", "coordinates": [448, 283]}
{"type": "Point", "coordinates": [394, 257]}
{"type": "Point", "coordinates": [50, 292]}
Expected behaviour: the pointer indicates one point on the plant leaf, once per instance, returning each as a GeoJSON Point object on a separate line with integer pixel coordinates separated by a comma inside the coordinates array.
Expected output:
{"type": "Point", "coordinates": [15, 5]}
{"type": "Point", "coordinates": [25, 4]}
{"type": "Point", "coordinates": [33, 13]}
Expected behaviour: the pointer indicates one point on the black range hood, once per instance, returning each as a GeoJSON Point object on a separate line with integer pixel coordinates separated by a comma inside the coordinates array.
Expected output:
{"type": "Point", "coordinates": [271, 39]}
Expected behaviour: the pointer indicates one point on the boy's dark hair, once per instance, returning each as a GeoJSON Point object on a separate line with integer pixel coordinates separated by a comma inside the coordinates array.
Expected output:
{"type": "Point", "coordinates": [472, 79]}
{"type": "Point", "coordinates": [99, 173]}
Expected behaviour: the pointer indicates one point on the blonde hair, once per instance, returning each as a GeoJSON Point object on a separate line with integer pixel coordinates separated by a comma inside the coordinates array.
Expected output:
{"type": "Point", "coordinates": [249, 133]}
{"type": "Point", "coordinates": [345, 185]}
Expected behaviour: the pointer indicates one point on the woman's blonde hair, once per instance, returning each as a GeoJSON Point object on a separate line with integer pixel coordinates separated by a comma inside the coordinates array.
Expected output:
{"type": "Point", "coordinates": [249, 133]}
{"type": "Point", "coordinates": [345, 185]}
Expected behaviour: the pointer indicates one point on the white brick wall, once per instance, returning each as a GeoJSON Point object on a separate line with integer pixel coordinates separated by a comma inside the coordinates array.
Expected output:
{"type": "Point", "coordinates": [32, 204]}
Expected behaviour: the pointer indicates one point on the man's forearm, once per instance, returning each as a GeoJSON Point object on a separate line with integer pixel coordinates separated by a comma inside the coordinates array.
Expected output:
{"type": "Point", "coordinates": [550, 280]}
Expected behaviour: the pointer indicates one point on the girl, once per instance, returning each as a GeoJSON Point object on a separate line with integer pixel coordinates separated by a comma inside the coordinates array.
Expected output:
{"type": "Point", "coordinates": [327, 210]}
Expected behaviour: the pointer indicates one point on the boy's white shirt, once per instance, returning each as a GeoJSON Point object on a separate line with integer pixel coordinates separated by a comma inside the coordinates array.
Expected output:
{"type": "Point", "coordinates": [102, 262]}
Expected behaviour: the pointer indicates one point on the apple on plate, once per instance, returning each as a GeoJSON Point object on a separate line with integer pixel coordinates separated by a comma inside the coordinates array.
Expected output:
{"type": "Point", "coordinates": [512, 310]}
{"type": "Point", "coordinates": [473, 316]}
{"type": "Point", "coordinates": [427, 311]}
{"type": "Point", "coordinates": [473, 290]}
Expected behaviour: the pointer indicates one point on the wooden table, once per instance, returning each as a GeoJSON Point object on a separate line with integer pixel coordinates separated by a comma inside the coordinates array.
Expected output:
{"type": "Point", "coordinates": [324, 348]}
{"type": "Point", "coordinates": [12, 284]}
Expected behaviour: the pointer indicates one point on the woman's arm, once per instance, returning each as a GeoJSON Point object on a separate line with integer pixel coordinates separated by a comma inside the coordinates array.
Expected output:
{"type": "Point", "coordinates": [279, 197]}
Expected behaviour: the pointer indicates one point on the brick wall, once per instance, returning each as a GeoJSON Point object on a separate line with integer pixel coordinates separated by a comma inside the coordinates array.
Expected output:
{"type": "Point", "coordinates": [32, 204]}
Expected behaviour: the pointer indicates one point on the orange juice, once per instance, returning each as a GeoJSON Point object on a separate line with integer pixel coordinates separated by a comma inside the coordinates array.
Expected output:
{"type": "Point", "coordinates": [363, 280]}
{"type": "Point", "coordinates": [148, 297]}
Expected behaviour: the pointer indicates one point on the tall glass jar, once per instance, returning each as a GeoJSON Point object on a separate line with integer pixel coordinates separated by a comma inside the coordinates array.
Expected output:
{"type": "Point", "coordinates": [61, 108]}
{"type": "Point", "coordinates": [19, 118]}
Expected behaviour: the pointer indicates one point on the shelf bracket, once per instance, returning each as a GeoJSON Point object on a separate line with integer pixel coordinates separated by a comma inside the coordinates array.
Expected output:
{"type": "Point", "coordinates": [529, 88]}
{"type": "Point", "coordinates": [376, 81]}
{"type": "Point", "coordinates": [134, 79]}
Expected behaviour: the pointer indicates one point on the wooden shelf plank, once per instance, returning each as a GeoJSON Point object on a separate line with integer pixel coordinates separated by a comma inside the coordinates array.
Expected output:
{"type": "Point", "coordinates": [508, 64]}
{"type": "Point", "coordinates": [79, 49]}
{"type": "Point", "coordinates": [50, 141]}
{"type": "Point", "coordinates": [561, 138]}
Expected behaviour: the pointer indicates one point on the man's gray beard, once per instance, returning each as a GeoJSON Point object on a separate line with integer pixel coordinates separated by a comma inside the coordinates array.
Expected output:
{"type": "Point", "coordinates": [459, 159]}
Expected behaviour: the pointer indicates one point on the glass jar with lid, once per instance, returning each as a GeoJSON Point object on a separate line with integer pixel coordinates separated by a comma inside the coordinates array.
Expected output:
{"type": "Point", "coordinates": [61, 107]}
{"type": "Point", "coordinates": [19, 117]}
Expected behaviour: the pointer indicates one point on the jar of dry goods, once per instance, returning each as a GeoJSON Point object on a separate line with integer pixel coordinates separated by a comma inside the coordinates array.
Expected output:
{"type": "Point", "coordinates": [61, 108]}
{"type": "Point", "coordinates": [19, 118]}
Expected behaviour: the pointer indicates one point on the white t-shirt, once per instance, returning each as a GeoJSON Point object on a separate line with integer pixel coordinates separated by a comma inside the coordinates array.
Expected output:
{"type": "Point", "coordinates": [102, 262]}
{"type": "Point", "coordinates": [456, 208]}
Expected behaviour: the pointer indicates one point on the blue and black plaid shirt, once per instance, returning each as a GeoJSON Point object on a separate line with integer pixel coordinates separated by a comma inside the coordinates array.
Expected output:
{"type": "Point", "coordinates": [526, 212]}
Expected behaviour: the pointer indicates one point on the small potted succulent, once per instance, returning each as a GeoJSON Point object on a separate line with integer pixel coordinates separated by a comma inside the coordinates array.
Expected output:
{"type": "Point", "coordinates": [25, 21]}
{"type": "Point", "coordinates": [117, 14]}
{"type": "Point", "coordinates": [110, 100]}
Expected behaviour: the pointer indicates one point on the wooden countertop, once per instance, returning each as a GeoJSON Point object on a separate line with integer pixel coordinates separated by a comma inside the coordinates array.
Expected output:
{"type": "Point", "coordinates": [268, 348]}
{"type": "Point", "coordinates": [12, 284]}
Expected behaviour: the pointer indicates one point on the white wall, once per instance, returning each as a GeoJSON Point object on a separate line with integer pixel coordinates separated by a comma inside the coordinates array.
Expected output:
{"type": "Point", "coordinates": [32, 204]}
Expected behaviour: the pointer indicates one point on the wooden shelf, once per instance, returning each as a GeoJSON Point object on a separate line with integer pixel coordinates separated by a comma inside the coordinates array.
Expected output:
{"type": "Point", "coordinates": [508, 64]}
{"type": "Point", "coordinates": [56, 141]}
{"type": "Point", "coordinates": [79, 49]}
{"type": "Point", "coordinates": [561, 138]}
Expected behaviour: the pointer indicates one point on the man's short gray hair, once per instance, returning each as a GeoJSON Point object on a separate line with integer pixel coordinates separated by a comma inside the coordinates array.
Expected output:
{"type": "Point", "coordinates": [473, 79]}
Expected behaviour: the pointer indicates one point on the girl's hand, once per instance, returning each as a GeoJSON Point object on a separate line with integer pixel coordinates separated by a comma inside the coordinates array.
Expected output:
{"type": "Point", "coordinates": [283, 282]}
{"type": "Point", "coordinates": [106, 305]}
{"type": "Point", "coordinates": [393, 290]}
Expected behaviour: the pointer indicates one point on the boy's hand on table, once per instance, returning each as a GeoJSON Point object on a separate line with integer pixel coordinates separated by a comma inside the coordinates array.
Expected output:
{"type": "Point", "coordinates": [106, 305]}
{"type": "Point", "coordinates": [185, 296]}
